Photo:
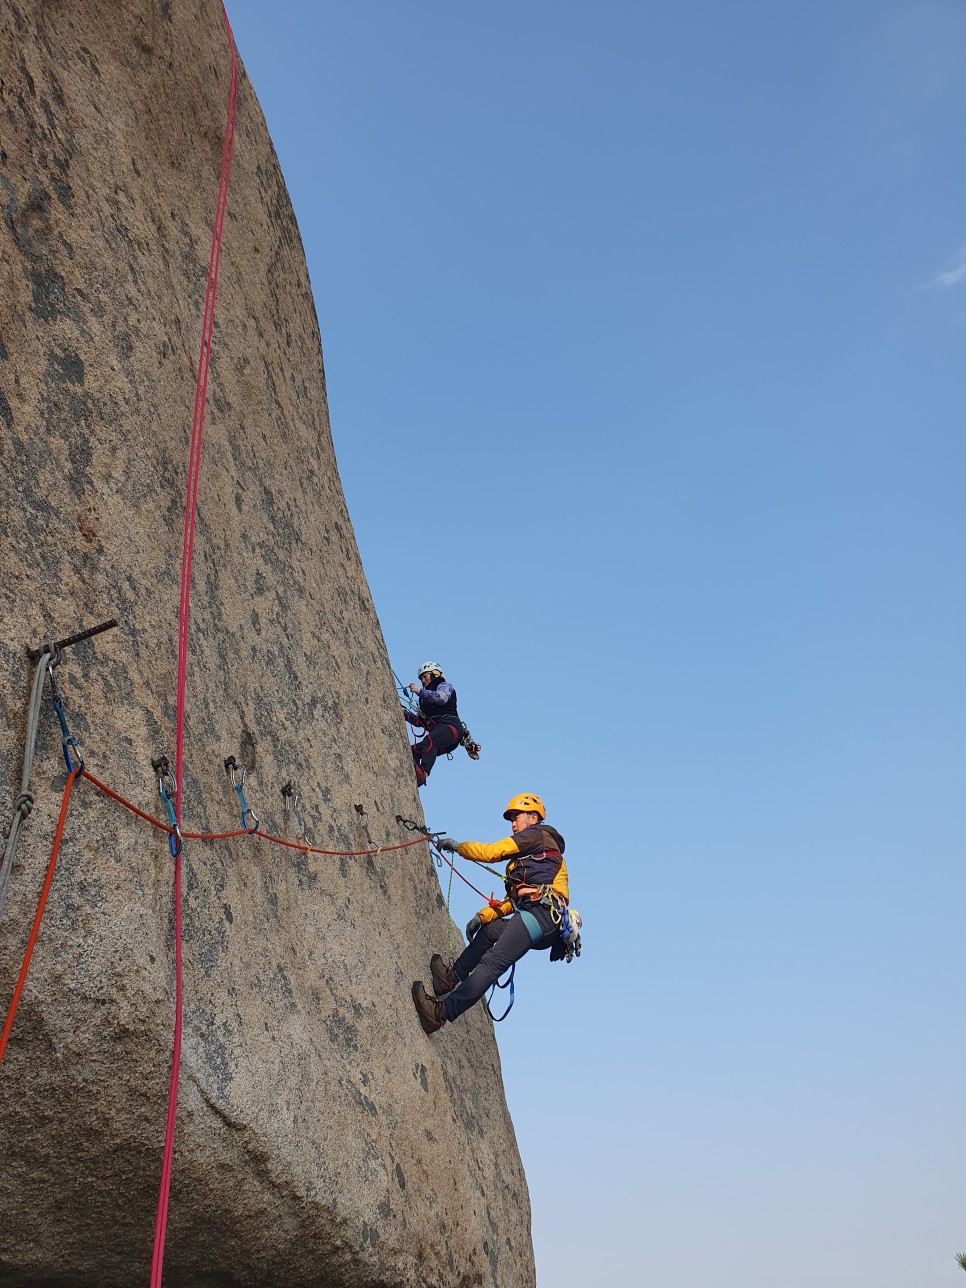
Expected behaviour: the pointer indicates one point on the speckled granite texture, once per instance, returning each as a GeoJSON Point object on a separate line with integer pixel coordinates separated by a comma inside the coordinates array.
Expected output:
{"type": "Point", "coordinates": [322, 1139]}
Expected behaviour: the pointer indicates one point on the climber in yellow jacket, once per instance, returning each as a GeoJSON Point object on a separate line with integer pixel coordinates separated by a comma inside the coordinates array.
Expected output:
{"type": "Point", "coordinates": [537, 896]}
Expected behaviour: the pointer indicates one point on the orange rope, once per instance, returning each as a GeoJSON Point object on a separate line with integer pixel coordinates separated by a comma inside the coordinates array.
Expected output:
{"type": "Point", "coordinates": [227, 836]}
{"type": "Point", "coordinates": [35, 929]}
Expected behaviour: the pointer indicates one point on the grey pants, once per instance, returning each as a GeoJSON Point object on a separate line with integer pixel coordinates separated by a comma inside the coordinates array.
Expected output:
{"type": "Point", "coordinates": [491, 952]}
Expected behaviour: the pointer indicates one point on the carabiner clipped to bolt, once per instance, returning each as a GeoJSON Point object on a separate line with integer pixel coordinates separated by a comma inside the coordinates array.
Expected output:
{"type": "Point", "coordinates": [168, 791]}
{"type": "Point", "coordinates": [236, 777]}
{"type": "Point", "coordinates": [67, 741]}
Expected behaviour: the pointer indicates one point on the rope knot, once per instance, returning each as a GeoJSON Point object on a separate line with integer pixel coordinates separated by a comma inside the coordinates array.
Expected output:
{"type": "Point", "coordinates": [24, 803]}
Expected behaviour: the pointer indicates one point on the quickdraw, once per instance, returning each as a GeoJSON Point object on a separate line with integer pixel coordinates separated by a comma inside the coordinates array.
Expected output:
{"type": "Point", "coordinates": [290, 800]}
{"type": "Point", "coordinates": [237, 778]}
{"type": "Point", "coordinates": [68, 743]}
{"type": "Point", "coordinates": [168, 791]}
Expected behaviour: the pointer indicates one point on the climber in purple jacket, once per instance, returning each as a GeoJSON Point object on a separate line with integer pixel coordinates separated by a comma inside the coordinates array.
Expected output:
{"type": "Point", "coordinates": [437, 716]}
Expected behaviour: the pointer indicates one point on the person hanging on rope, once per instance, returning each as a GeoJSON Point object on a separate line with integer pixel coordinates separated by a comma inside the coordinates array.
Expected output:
{"type": "Point", "coordinates": [437, 716]}
{"type": "Point", "coordinates": [535, 914]}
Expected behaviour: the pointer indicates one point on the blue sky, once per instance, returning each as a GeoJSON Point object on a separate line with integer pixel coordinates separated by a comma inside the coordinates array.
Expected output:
{"type": "Point", "coordinates": [643, 330]}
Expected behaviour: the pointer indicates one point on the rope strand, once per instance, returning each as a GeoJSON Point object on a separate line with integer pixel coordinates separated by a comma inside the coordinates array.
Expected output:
{"type": "Point", "coordinates": [38, 917]}
{"type": "Point", "coordinates": [191, 503]}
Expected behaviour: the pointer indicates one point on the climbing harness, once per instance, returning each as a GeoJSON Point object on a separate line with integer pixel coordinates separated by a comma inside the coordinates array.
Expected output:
{"type": "Point", "coordinates": [567, 920]}
{"type": "Point", "coordinates": [237, 778]}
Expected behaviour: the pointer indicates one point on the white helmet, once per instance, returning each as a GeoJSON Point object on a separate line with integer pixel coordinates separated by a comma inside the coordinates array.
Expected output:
{"type": "Point", "coordinates": [432, 667]}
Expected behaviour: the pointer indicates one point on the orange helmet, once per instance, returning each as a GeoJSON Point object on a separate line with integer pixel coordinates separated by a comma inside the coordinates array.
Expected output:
{"type": "Point", "coordinates": [528, 803]}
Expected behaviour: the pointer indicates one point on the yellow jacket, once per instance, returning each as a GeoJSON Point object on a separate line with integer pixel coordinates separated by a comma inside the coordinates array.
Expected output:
{"type": "Point", "coordinates": [536, 859]}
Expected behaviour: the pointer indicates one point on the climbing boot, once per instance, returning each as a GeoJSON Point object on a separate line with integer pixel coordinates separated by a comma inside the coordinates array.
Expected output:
{"type": "Point", "coordinates": [421, 775]}
{"type": "Point", "coordinates": [429, 1009]}
{"type": "Point", "coordinates": [444, 981]}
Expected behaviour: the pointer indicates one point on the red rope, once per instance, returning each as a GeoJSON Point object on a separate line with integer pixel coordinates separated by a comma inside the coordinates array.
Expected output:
{"type": "Point", "coordinates": [35, 930]}
{"type": "Point", "coordinates": [264, 836]}
{"type": "Point", "coordinates": [191, 502]}
{"type": "Point", "coordinates": [442, 855]}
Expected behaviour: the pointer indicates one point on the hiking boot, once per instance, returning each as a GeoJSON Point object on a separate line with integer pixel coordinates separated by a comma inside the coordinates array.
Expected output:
{"type": "Point", "coordinates": [421, 775]}
{"type": "Point", "coordinates": [444, 980]}
{"type": "Point", "coordinates": [429, 1009]}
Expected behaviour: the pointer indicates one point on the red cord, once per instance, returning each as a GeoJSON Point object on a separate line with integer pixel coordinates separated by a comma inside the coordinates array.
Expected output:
{"type": "Point", "coordinates": [191, 502]}
{"type": "Point", "coordinates": [227, 836]}
{"type": "Point", "coordinates": [35, 929]}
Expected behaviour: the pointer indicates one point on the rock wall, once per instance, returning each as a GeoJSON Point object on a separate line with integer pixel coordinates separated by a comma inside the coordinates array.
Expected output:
{"type": "Point", "coordinates": [322, 1139]}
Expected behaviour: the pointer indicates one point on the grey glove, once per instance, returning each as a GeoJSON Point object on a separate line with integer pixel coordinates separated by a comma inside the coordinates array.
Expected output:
{"type": "Point", "coordinates": [447, 843]}
{"type": "Point", "coordinates": [473, 926]}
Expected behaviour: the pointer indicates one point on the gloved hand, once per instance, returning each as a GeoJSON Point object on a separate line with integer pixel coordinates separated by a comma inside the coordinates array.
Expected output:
{"type": "Point", "coordinates": [410, 717]}
{"type": "Point", "coordinates": [447, 843]}
{"type": "Point", "coordinates": [473, 927]}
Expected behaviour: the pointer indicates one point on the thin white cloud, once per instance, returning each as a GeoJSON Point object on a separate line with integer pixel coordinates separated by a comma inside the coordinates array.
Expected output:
{"type": "Point", "coordinates": [950, 276]}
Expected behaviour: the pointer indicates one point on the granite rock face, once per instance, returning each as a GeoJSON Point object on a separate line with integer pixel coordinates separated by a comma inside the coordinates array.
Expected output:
{"type": "Point", "coordinates": [322, 1138]}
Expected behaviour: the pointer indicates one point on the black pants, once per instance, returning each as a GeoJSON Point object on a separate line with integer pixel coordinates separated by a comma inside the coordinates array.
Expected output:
{"type": "Point", "coordinates": [437, 742]}
{"type": "Point", "coordinates": [493, 950]}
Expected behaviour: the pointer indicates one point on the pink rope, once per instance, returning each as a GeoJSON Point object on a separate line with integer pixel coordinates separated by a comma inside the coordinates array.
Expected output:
{"type": "Point", "coordinates": [191, 502]}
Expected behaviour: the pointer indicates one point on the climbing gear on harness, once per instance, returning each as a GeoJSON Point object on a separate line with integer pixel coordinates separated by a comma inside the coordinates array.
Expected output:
{"type": "Point", "coordinates": [444, 981]}
{"type": "Point", "coordinates": [570, 925]}
{"type": "Point", "coordinates": [525, 803]}
{"type": "Point", "coordinates": [470, 745]}
{"type": "Point", "coordinates": [430, 668]}
{"type": "Point", "coordinates": [429, 1009]}
{"type": "Point", "coordinates": [506, 984]}
{"type": "Point", "coordinates": [168, 794]}
{"type": "Point", "coordinates": [237, 778]}
{"type": "Point", "coordinates": [567, 920]}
